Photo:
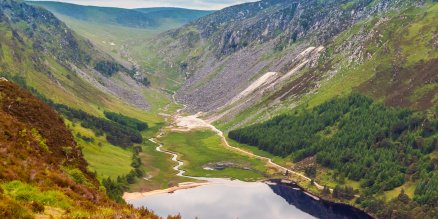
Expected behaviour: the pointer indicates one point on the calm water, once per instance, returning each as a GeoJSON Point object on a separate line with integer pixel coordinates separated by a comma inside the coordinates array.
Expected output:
{"type": "Point", "coordinates": [235, 199]}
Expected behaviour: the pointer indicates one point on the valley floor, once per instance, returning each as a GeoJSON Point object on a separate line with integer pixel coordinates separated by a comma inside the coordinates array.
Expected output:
{"type": "Point", "coordinates": [206, 152]}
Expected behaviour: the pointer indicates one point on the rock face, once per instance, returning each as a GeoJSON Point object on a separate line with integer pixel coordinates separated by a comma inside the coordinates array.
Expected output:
{"type": "Point", "coordinates": [221, 54]}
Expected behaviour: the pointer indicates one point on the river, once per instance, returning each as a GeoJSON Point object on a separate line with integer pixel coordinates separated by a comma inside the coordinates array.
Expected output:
{"type": "Point", "coordinates": [224, 198]}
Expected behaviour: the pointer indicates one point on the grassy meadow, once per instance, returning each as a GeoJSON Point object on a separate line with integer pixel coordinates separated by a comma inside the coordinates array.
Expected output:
{"type": "Point", "coordinates": [203, 148]}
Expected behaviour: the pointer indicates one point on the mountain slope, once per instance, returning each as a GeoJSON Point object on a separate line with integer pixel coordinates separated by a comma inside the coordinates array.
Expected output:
{"type": "Point", "coordinates": [115, 16]}
{"type": "Point", "coordinates": [43, 172]}
{"type": "Point", "coordinates": [44, 56]}
{"type": "Point", "coordinates": [135, 18]}
{"type": "Point", "coordinates": [59, 64]}
{"type": "Point", "coordinates": [312, 45]}
{"type": "Point", "coordinates": [126, 43]}
{"type": "Point", "coordinates": [385, 57]}
{"type": "Point", "coordinates": [182, 15]}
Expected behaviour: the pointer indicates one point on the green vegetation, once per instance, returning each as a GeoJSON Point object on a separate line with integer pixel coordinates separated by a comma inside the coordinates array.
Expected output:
{"type": "Point", "coordinates": [115, 188]}
{"type": "Point", "coordinates": [136, 18]}
{"type": "Point", "coordinates": [381, 147]}
{"type": "Point", "coordinates": [343, 192]}
{"type": "Point", "coordinates": [116, 134]}
{"type": "Point", "coordinates": [77, 175]}
{"type": "Point", "coordinates": [159, 170]}
{"type": "Point", "coordinates": [202, 149]}
{"type": "Point", "coordinates": [128, 42]}
{"type": "Point", "coordinates": [43, 172]}
{"type": "Point", "coordinates": [126, 121]}
{"type": "Point", "coordinates": [115, 16]}
{"type": "Point", "coordinates": [105, 159]}
{"type": "Point", "coordinates": [108, 68]}
{"type": "Point", "coordinates": [24, 192]}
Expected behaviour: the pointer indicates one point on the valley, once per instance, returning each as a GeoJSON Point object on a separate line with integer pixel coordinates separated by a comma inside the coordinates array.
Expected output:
{"type": "Point", "coordinates": [311, 109]}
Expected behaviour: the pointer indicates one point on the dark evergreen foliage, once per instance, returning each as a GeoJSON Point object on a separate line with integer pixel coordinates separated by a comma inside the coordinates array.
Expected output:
{"type": "Point", "coordinates": [379, 146]}
{"type": "Point", "coordinates": [116, 134]}
{"type": "Point", "coordinates": [108, 68]}
{"type": "Point", "coordinates": [343, 192]}
{"type": "Point", "coordinates": [126, 121]}
{"type": "Point", "coordinates": [115, 188]}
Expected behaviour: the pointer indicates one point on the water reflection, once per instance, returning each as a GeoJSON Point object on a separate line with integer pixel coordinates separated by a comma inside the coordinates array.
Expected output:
{"type": "Point", "coordinates": [235, 199]}
{"type": "Point", "coordinates": [317, 208]}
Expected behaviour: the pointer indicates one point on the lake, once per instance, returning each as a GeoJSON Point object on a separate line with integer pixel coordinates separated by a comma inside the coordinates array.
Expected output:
{"type": "Point", "coordinates": [232, 199]}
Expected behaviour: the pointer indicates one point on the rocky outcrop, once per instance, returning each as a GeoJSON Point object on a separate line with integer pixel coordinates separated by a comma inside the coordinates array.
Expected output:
{"type": "Point", "coordinates": [223, 53]}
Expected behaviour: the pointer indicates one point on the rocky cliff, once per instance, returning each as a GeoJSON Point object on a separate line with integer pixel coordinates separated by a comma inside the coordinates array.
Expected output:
{"type": "Point", "coordinates": [307, 43]}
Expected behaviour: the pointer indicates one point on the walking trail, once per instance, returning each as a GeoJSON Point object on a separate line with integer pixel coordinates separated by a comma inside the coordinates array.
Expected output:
{"type": "Point", "coordinates": [187, 123]}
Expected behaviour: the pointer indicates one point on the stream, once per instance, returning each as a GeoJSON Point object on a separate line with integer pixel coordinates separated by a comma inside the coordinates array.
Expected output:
{"type": "Point", "coordinates": [225, 198]}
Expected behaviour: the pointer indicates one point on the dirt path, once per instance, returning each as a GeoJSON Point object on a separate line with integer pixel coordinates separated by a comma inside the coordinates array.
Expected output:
{"type": "Point", "coordinates": [188, 123]}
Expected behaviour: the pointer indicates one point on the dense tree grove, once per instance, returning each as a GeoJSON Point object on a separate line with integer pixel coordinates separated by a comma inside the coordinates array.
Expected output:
{"type": "Point", "coordinates": [379, 146]}
{"type": "Point", "coordinates": [343, 192]}
{"type": "Point", "coordinates": [116, 134]}
{"type": "Point", "coordinates": [145, 81]}
{"type": "Point", "coordinates": [108, 68]}
{"type": "Point", "coordinates": [126, 121]}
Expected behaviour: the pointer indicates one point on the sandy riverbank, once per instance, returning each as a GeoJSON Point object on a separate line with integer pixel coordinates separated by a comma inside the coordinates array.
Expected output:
{"type": "Point", "coordinates": [138, 195]}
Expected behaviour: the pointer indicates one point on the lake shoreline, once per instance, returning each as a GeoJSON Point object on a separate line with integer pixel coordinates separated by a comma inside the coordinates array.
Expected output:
{"type": "Point", "coordinates": [319, 198]}
{"type": "Point", "coordinates": [131, 196]}
{"type": "Point", "coordinates": [134, 196]}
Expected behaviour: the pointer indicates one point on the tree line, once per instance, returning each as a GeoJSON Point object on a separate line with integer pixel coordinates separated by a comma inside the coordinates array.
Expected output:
{"type": "Point", "coordinates": [381, 147]}
{"type": "Point", "coordinates": [120, 130]}
{"type": "Point", "coordinates": [115, 188]}
{"type": "Point", "coordinates": [109, 68]}
{"type": "Point", "coordinates": [126, 121]}
{"type": "Point", "coordinates": [116, 134]}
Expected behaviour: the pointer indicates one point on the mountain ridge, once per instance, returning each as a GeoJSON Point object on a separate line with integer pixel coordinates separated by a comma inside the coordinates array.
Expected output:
{"type": "Point", "coordinates": [136, 17]}
{"type": "Point", "coordinates": [35, 42]}
{"type": "Point", "coordinates": [220, 58]}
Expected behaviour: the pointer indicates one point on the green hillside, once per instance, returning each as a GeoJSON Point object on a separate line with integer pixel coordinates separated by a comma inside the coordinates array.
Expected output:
{"type": "Point", "coordinates": [125, 33]}
{"type": "Point", "coordinates": [135, 18]}
{"type": "Point", "coordinates": [384, 149]}
{"type": "Point", "coordinates": [43, 173]}
{"type": "Point", "coordinates": [182, 15]}
{"type": "Point", "coordinates": [392, 60]}
{"type": "Point", "coordinates": [343, 91]}
{"type": "Point", "coordinates": [114, 16]}
{"type": "Point", "coordinates": [41, 54]}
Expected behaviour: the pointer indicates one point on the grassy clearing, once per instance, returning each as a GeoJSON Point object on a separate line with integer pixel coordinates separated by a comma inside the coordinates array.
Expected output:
{"type": "Point", "coordinates": [105, 159]}
{"type": "Point", "coordinates": [159, 170]}
{"type": "Point", "coordinates": [200, 148]}
{"type": "Point", "coordinates": [408, 187]}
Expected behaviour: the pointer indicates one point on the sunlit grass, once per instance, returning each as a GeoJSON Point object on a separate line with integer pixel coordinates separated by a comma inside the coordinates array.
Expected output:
{"type": "Point", "coordinates": [199, 148]}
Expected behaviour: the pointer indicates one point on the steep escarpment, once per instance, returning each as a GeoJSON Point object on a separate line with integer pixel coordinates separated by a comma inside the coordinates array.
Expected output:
{"type": "Point", "coordinates": [42, 170]}
{"type": "Point", "coordinates": [319, 49]}
{"type": "Point", "coordinates": [223, 53]}
{"type": "Point", "coordinates": [37, 46]}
